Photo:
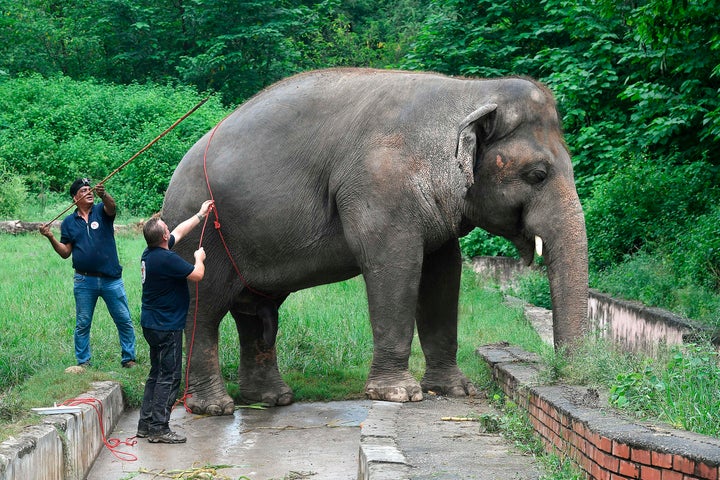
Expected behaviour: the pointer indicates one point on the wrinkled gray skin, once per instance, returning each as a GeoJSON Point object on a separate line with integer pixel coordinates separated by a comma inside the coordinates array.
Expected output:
{"type": "Point", "coordinates": [335, 173]}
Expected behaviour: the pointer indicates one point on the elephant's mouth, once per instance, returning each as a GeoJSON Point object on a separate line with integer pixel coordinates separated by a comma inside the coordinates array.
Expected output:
{"type": "Point", "coordinates": [528, 246]}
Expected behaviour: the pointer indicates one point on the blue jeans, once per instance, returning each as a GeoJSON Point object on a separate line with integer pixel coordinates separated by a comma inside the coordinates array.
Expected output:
{"type": "Point", "coordinates": [112, 290]}
{"type": "Point", "coordinates": [163, 382]}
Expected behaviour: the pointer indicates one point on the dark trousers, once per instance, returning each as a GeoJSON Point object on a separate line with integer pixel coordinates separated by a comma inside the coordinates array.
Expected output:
{"type": "Point", "coordinates": [163, 382]}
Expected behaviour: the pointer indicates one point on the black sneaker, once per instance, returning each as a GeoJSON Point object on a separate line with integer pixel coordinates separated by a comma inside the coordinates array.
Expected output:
{"type": "Point", "coordinates": [85, 365]}
{"type": "Point", "coordinates": [167, 437]}
{"type": "Point", "coordinates": [129, 364]}
{"type": "Point", "coordinates": [142, 433]}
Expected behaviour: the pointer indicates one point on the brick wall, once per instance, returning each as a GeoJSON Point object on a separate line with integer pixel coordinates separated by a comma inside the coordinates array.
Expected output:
{"type": "Point", "coordinates": [572, 423]}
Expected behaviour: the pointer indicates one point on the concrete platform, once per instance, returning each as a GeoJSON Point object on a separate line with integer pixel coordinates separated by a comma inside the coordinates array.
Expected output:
{"type": "Point", "coordinates": [345, 440]}
{"type": "Point", "coordinates": [304, 440]}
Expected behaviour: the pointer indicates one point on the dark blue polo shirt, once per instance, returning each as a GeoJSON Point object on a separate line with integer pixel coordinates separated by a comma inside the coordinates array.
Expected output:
{"type": "Point", "coordinates": [165, 294]}
{"type": "Point", "coordinates": [93, 242]}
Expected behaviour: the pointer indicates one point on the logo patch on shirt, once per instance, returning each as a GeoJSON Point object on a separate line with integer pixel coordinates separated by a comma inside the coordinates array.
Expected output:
{"type": "Point", "coordinates": [142, 270]}
{"type": "Point", "coordinates": [94, 225]}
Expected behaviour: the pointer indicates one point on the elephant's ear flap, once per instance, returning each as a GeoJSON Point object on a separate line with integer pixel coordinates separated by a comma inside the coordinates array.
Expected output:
{"type": "Point", "coordinates": [468, 132]}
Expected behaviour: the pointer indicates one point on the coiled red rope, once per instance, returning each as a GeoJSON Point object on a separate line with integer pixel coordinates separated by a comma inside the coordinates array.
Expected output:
{"type": "Point", "coordinates": [112, 444]}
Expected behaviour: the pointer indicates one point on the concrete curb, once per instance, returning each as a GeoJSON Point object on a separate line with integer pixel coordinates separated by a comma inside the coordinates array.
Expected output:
{"type": "Point", "coordinates": [65, 445]}
{"type": "Point", "coordinates": [380, 458]}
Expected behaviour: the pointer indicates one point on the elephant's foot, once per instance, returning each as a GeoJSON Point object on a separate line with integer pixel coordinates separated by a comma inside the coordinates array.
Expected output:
{"type": "Point", "coordinates": [264, 385]}
{"type": "Point", "coordinates": [208, 396]}
{"type": "Point", "coordinates": [448, 381]}
{"type": "Point", "coordinates": [393, 388]}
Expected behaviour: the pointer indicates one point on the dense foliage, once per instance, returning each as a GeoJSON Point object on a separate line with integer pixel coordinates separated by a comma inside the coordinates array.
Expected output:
{"type": "Point", "coordinates": [85, 84]}
{"type": "Point", "coordinates": [227, 46]}
{"type": "Point", "coordinates": [57, 129]}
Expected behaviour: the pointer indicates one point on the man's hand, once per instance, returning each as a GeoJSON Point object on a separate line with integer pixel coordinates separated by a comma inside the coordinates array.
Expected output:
{"type": "Point", "coordinates": [199, 272]}
{"type": "Point", "coordinates": [45, 231]}
{"type": "Point", "coordinates": [107, 199]}
{"type": "Point", "coordinates": [62, 249]}
{"type": "Point", "coordinates": [205, 208]}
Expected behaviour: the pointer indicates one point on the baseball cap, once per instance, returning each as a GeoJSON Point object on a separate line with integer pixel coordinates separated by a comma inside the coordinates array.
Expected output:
{"type": "Point", "coordinates": [78, 184]}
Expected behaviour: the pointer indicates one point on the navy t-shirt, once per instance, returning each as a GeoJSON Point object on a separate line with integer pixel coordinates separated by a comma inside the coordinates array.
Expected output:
{"type": "Point", "coordinates": [165, 295]}
{"type": "Point", "coordinates": [93, 242]}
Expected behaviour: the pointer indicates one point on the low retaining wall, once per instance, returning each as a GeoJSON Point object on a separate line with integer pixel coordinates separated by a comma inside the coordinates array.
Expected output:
{"type": "Point", "coordinates": [571, 423]}
{"type": "Point", "coordinates": [65, 445]}
{"type": "Point", "coordinates": [631, 324]}
{"type": "Point", "coordinates": [635, 326]}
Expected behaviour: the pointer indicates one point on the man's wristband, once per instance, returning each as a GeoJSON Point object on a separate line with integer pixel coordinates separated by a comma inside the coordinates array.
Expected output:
{"type": "Point", "coordinates": [200, 217]}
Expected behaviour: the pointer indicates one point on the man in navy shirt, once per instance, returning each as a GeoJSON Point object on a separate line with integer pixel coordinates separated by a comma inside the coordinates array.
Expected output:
{"type": "Point", "coordinates": [88, 235]}
{"type": "Point", "coordinates": [165, 303]}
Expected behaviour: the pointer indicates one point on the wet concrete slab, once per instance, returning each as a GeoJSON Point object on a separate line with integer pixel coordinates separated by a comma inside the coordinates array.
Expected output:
{"type": "Point", "coordinates": [318, 441]}
{"type": "Point", "coordinates": [457, 439]}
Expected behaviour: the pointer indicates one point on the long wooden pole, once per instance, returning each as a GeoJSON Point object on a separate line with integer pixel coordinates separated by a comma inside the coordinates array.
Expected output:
{"type": "Point", "coordinates": [125, 164]}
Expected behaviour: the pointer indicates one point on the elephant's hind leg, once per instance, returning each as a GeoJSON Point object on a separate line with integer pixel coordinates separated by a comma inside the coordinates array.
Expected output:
{"type": "Point", "coordinates": [258, 376]}
{"type": "Point", "coordinates": [206, 392]}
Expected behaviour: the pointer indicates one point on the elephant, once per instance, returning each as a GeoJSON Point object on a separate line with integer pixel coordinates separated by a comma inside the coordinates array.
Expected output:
{"type": "Point", "coordinates": [331, 174]}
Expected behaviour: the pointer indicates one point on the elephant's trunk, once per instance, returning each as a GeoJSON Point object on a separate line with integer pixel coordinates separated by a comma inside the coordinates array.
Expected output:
{"type": "Point", "coordinates": [567, 267]}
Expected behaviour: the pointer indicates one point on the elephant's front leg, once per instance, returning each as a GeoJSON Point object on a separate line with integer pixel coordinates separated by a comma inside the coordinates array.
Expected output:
{"type": "Point", "coordinates": [437, 322]}
{"type": "Point", "coordinates": [258, 375]}
{"type": "Point", "coordinates": [205, 386]}
{"type": "Point", "coordinates": [392, 297]}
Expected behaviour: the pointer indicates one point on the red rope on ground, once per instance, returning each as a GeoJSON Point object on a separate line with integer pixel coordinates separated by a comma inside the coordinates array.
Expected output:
{"type": "Point", "coordinates": [112, 443]}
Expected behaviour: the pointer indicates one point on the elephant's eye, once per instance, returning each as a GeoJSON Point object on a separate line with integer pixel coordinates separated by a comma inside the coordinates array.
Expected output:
{"type": "Point", "coordinates": [535, 176]}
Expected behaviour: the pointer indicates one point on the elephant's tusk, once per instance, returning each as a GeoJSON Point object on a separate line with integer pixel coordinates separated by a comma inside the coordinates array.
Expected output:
{"type": "Point", "coordinates": [538, 245]}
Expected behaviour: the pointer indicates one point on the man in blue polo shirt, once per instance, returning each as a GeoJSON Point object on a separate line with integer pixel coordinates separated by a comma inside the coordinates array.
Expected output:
{"type": "Point", "coordinates": [88, 235]}
{"type": "Point", "coordinates": [165, 303]}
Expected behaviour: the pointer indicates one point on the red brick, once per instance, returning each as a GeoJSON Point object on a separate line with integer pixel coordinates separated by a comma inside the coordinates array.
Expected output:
{"type": "Point", "coordinates": [621, 450]}
{"type": "Point", "coordinates": [706, 471]}
{"type": "Point", "coordinates": [649, 473]}
{"type": "Point", "coordinates": [640, 456]}
{"type": "Point", "coordinates": [670, 475]}
{"type": "Point", "coordinates": [599, 473]}
{"type": "Point", "coordinates": [683, 464]}
{"type": "Point", "coordinates": [593, 437]}
{"type": "Point", "coordinates": [608, 462]}
{"type": "Point", "coordinates": [628, 469]}
{"type": "Point", "coordinates": [615, 476]}
{"type": "Point", "coordinates": [590, 451]}
{"type": "Point", "coordinates": [555, 415]}
{"type": "Point", "coordinates": [605, 444]}
{"type": "Point", "coordinates": [565, 420]}
{"type": "Point", "coordinates": [663, 460]}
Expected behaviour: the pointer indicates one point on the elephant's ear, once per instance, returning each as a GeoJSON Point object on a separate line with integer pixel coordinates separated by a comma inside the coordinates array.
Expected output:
{"type": "Point", "coordinates": [477, 123]}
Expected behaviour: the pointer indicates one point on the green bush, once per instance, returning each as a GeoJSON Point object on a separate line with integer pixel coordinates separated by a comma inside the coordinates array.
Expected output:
{"type": "Point", "coordinates": [481, 243]}
{"type": "Point", "coordinates": [12, 194]}
{"type": "Point", "coordinates": [534, 288]}
{"type": "Point", "coordinates": [698, 255]}
{"type": "Point", "coordinates": [647, 278]}
{"type": "Point", "coordinates": [645, 203]}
